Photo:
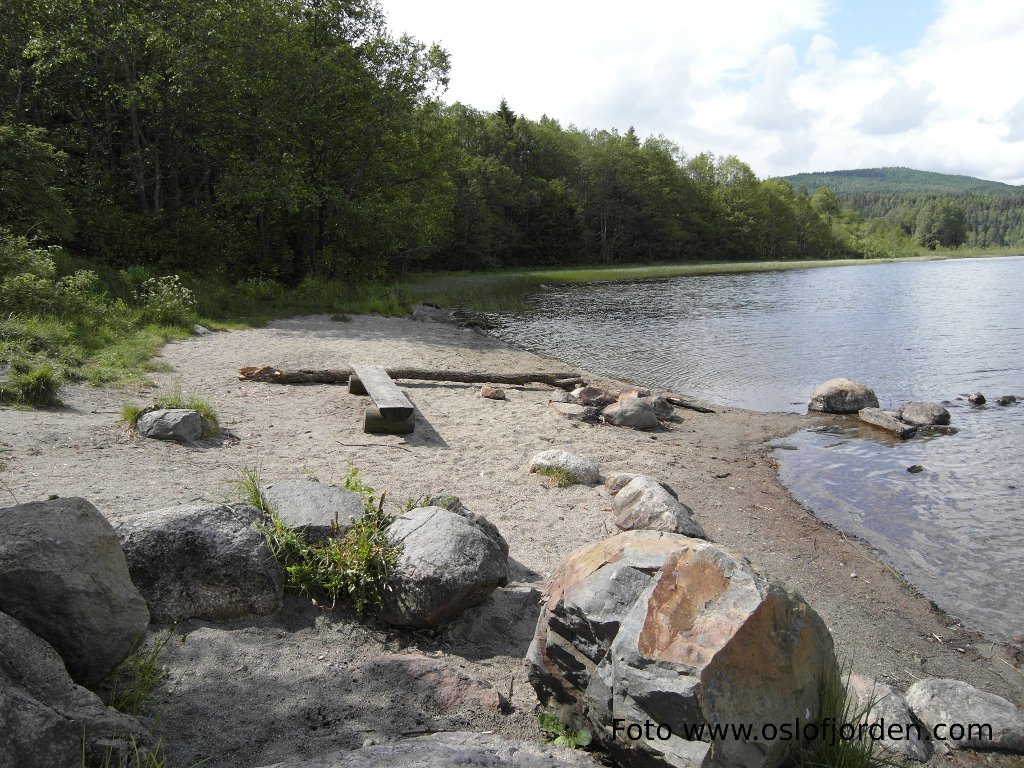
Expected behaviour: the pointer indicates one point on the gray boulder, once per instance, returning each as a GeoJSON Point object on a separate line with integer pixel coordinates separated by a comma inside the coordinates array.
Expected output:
{"type": "Point", "coordinates": [44, 715]}
{"type": "Point", "coordinates": [652, 627]}
{"type": "Point", "coordinates": [644, 504]}
{"type": "Point", "coordinates": [314, 509]}
{"type": "Point", "coordinates": [842, 396]}
{"type": "Point", "coordinates": [561, 396]}
{"type": "Point", "coordinates": [63, 575]}
{"type": "Point", "coordinates": [924, 414]}
{"type": "Point", "coordinates": [635, 412]}
{"type": "Point", "coordinates": [583, 470]}
{"type": "Point", "coordinates": [937, 700]}
{"type": "Point", "coordinates": [885, 708]}
{"type": "Point", "coordinates": [447, 564]}
{"type": "Point", "coordinates": [594, 396]}
{"type": "Point", "coordinates": [662, 408]}
{"type": "Point", "coordinates": [171, 424]}
{"type": "Point", "coordinates": [576, 412]}
{"type": "Point", "coordinates": [202, 562]}
{"type": "Point", "coordinates": [442, 750]}
{"type": "Point", "coordinates": [976, 398]}
{"type": "Point", "coordinates": [886, 420]}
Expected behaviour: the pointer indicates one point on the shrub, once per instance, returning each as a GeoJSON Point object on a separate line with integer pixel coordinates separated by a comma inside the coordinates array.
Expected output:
{"type": "Point", "coordinates": [164, 300]}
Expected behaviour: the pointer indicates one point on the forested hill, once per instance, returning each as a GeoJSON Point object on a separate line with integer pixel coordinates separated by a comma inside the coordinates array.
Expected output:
{"type": "Point", "coordinates": [977, 212]}
{"type": "Point", "coordinates": [904, 181]}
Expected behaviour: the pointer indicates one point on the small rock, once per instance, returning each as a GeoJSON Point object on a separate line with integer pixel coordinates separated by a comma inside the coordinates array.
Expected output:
{"type": "Point", "coordinates": [577, 412]}
{"type": "Point", "coordinates": [662, 408]}
{"type": "Point", "coordinates": [616, 482]}
{"type": "Point", "coordinates": [1006, 400]}
{"type": "Point", "coordinates": [842, 396]}
{"type": "Point", "coordinates": [200, 330]}
{"type": "Point", "coordinates": [431, 313]}
{"type": "Point", "coordinates": [888, 708]}
{"type": "Point", "coordinates": [643, 504]}
{"type": "Point", "coordinates": [976, 398]}
{"type": "Point", "coordinates": [594, 396]}
{"type": "Point", "coordinates": [921, 414]}
{"type": "Point", "coordinates": [915, 468]}
{"type": "Point", "coordinates": [879, 418]}
{"type": "Point", "coordinates": [583, 470]}
{"type": "Point", "coordinates": [633, 412]}
{"type": "Point", "coordinates": [561, 396]}
{"type": "Point", "coordinates": [937, 700]}
{"type": "Point", "coordinates": [492, 393]}
{"type": "Point", "coordinates": [171, 424]}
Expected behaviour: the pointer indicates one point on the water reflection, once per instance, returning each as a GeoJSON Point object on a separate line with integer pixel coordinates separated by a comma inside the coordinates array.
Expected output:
{"type": "Point", "coordinates": [927, 331]}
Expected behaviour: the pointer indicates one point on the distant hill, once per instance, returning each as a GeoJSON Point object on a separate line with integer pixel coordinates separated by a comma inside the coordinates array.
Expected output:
{"type": "Point", "coordinates": [901, 181]}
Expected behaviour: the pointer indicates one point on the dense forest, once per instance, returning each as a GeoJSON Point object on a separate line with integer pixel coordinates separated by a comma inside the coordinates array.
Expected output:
{"type": "Point", "coordinates": [289, 138]}
{"type": "Point", "coordinates": [931, 208]}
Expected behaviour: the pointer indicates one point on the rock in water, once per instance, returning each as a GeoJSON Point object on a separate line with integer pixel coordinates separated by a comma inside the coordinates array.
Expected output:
{"type": "Point", "coordinates": [63, 575]}
{"type": "Point", "coordinates": [976, 398]}
{"type": "Point", "coordinates": [924, 414]}
{"type": "Point", "coordinates": [842, 396]}
{"type": "Point", "coordinates": [46, 719]}
{"type": "Point", "coordinates": [633, 412]}
{"type": "Point", "coordinates": [448, 563]}
{"type": "Point", "coordinates": [885, 420]}
{"type": "Point", "coordinates": [1006, 399]}
{"type": "Point", "coordinates": [582, 470]}
{"type": "Point", "coordinates": [644, 504]}
{"type": "Point", "coordinates": [311, 508]}
{"type": "Point", "coordinates": [651, 627]}
{"type": "Point", "coordinates": [937, 700]}
{"type": "Point", "coordinates": [202, 562]}
{"type": "Point", "coordinates": [171, 424]}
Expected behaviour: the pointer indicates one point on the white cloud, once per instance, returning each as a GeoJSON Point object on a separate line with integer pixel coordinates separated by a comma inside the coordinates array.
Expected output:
{"type": "Point", "coordinates": [899, 109]}
{"type": "Point", "coordinates": [758, 78]}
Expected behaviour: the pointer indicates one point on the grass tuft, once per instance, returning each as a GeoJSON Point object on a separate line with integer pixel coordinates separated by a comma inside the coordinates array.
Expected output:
{"type": "Point", "coordinates": [31, 384]}
{"type": "Point", "coordinates": [248, 487]}
{"type": "Point", "coordinates": [130, 413]}
{"type": "Point", "coordinates": [557, 477]}
{"type": "Point", "coordinates": [132, 684]}
{"type": "Point", "coordinates": [355, 564]}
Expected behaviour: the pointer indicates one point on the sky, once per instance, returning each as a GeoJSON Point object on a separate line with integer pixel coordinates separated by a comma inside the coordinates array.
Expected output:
{"type": "Point", "coordinates": [787, 85]}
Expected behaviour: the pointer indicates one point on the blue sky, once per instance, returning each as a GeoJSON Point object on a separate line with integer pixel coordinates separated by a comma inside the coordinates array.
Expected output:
{"type": "Point", "coordinates": [787, 85]}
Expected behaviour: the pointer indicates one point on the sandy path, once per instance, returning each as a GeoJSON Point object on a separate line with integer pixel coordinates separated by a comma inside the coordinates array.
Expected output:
{"type": "Point", "coordinates": [303, 682]}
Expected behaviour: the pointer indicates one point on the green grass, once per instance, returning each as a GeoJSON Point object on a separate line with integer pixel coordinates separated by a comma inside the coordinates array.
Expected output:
{"type": "Point", "coordinates": [557, 477]}
{"type": "Point", "coordinates": [139, 757]}
{"type": "Point", "coordinates": [130, 413]}
{"type": "Point", "coordinates": [355, 564]}
{"type": "Point", "coordinates": [31, 384]}
{"type": "Point", "coordinates": [174, 399]}
{"type": "Point", "coordinates": [130, 687]}
{"type": "Point", "coordinates": [561, 735]}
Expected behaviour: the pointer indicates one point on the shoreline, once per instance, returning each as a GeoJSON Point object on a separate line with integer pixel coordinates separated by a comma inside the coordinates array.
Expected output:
{"type": "Point", "coordinates": [303, 661]}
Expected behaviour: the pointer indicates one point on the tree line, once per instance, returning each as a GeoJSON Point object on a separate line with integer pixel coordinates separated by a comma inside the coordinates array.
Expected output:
{"type": "Point", "coordinates": [292, 139]}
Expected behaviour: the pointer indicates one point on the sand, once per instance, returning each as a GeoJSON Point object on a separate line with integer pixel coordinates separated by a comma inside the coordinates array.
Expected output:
{"type": "Point", "coordinates": [307, 681]}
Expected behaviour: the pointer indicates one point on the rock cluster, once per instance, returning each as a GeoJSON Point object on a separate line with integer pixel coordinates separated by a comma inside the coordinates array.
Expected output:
{"type": "Point", "coordinates": [634, 407]}
{"type": "Point", "coordinates": [845, 396]}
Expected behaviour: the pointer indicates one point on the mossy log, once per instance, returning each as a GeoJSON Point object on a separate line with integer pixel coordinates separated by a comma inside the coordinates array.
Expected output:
{"type": "Point", "coordinates": [566, 381]}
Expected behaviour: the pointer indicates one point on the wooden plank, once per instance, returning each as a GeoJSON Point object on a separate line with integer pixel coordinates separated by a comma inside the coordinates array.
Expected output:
{"type": "Point", "coordinates": [375, 424]}
{"type": "Point", "coordinates": [355, 386]}
{"type": "Point", "coordinates": [388, 398]}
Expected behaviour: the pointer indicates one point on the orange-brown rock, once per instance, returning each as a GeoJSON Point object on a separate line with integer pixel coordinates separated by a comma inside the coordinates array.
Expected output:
{"type": "Point", "coordinates": [657, 629]}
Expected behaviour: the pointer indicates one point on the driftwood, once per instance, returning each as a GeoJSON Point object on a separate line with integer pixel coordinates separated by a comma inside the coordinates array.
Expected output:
{"type": "Point", "coordinates": [680, 403]}
{"type": "Point", "coordinates": [567, 381]}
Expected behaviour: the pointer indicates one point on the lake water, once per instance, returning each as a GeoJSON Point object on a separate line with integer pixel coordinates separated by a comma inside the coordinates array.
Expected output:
{"type": "Point", "coordinates": [913, 331]}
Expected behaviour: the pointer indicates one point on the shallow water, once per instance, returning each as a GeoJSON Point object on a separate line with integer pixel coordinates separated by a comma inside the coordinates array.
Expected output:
{"type": "Point", "coordinates": [924, 331]}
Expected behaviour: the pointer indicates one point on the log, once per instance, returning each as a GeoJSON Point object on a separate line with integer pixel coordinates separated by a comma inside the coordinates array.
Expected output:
{"type": "Point", "coordinates": [567, 381]}
{"type": "Point", "coordinates": [680, 403]}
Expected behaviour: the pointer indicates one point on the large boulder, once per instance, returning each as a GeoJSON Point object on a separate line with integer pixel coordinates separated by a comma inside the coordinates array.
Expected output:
{"type": "Point", "coordinates": [46, 718]}
{"type": "Point", "coordinates": [580, 469]}
{"type": "Point", "coordinates": [63, 575]}
{"type": "Point", "coordinates": [842, 396]}
{"type": "Point", "coordinates": [644, 504]}
{"type": "Point", "coordinates": [635, 412]}
{"type": "Point", "coordinates": [924, 414]}
{"type": "Point", "coordinates": [662, 408]}
{"type": "Point", "coordinates": [652, 636]}
{"type": "Point", "coordinates": [442, 750]}
{"type": "Point", "coordinates": [985, 721]}
{"type": "Point", "coordinates": [448, 563]}
{"type": "Point", "coordinates": [887, 717]}
{"type": "Point", "coordinates": [179, 424]}
{"type": "Point", "coordinates": [316, 510]}
{"type": "Point", "coordinates": [202, 562]}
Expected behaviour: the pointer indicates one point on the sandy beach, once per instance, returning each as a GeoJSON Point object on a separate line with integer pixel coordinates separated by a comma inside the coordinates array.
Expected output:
{"type": "Point", "coordinates": [307, 681]}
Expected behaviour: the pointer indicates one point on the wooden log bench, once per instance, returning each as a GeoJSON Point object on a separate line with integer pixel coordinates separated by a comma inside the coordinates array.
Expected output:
{"type": "Point", "coordinates": [391, 412]}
